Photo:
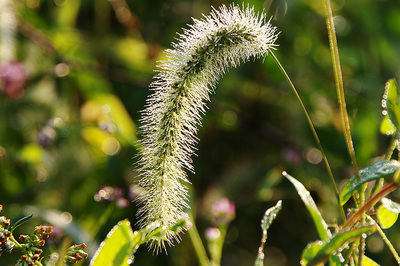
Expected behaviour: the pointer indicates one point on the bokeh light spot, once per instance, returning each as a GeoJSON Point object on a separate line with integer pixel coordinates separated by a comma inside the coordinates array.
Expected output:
{"type": "Point", "coordinates": [110, 146]}
{"type": "Point", "coordinates": [313, 155]}
{"type": "Point", "coordinates": [61, 70]}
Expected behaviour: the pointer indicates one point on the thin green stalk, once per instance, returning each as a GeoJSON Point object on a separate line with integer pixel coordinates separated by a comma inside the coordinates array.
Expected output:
{"type": "Point", "coordinates": [393, 145]}
{"type": "Point", "coordinates": [361, 249]}
{"type": "Point", "coordinates": [342, 104]}
{"type": "Point", "coordinates": [314, 132]}
{"type": "Point", "coordinates": [387, 241]}
{"type": "Point", "coordinates": [339, 85]}
{"type": "Point", "coordinates": [198, 245]}
{"type": "Point", "coordinates": [215, 246]}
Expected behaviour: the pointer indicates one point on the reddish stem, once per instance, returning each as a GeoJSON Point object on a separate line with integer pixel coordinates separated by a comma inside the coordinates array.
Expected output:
{"type": "Point", "coordinates": [354, 218]}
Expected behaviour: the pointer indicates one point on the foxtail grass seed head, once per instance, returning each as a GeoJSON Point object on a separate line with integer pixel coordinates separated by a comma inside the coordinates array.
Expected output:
{"type": "Point", "coordinates": [203, 53]}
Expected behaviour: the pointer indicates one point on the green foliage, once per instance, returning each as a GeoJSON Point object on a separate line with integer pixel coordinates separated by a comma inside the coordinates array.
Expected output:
{"type": "Point", "coordinates": [116, 248]}
{"type": "Point", "coordinates": [385, 217]}
{"type": "Point", "coordinates": [31, 246]}
{"type": "Point", "coordinates": [319, 252]}
{"type": "Point", "coordinates": [121, 242]}
{"type": "Point", "coordinates": [20, 222]}
{"type": "Point", "coordinates": [266, 222]}
{"type": "Point", "coordinates": [305, 196]}
{"type": "Point", "coordinates": [387, 213]}
{"type": "Point", "coordinates": [368, 262]}
{"type": "Point", "coordinates": [373, 172]}
{"type": "Point", "coordinates": [391, 104]}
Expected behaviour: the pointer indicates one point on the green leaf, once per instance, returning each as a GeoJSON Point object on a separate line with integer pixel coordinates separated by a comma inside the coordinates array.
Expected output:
{"type": "Point", "coordinates": [116, 249]}
{"type": "Point", "coordinates": [318, 252]}
{"type": "Point", "coordinates": [391, 205]}
{"type": "Point", "coordinates": [387, 127]}
{"type": "Point", "coordinates": [385, 217]}
{"type": "Point", "coordinates": [266, 222]}
{"type": "Point", "coordinates": [375, 171]}
{"type": "Point", "coordinates": [322, 228]}
{"type": "Point", "coordinates": [20, 222]}
{"type": "Point", "coordinates": [387, 213]}
{"type": "Point", "coordinates": [368, 262]}
{"type": "Point", "coordinates": [390, 102]}
{"type": "Point", "coordinates": [270, 216]}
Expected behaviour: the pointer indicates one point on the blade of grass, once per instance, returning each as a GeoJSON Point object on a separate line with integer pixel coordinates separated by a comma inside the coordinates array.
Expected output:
{"type": "Point", "coordinates": [266, 222]}
{"type": "Point", "coordinates": [305, 196]}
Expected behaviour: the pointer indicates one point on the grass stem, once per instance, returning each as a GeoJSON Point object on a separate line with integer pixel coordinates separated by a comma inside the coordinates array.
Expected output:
{"type": "Point", "coordinates": [314, 132]}
{"type": "Point", "coordinates": [339, 85]}
{"type": "Point", "coordinates": [386, 240]}
{"type": "Point", "coordinates": [198, 245]}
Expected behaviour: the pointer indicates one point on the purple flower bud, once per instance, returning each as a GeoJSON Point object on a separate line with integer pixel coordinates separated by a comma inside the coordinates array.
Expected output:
{"type": "Point", "coordinates": [55, 237]}
{"type": "Point", "coordinates": [118, 192]}
{"type": "Point", "coordinates": [13, 76]}
{"type": "Point", "coordinates": [212, 233]}
{"type": "Point", "coordinates": [291, 155]}
{"type": "Point", "coordinates": [104, 193]}
{"type": "Point", "coordinates": [223, 211]}
{"type": "Point", "coordinates": [110, 194]}
{"type": "Point", "coordinates": [45, 136]}
{"type": "Point", "coordinates": [122, 202]}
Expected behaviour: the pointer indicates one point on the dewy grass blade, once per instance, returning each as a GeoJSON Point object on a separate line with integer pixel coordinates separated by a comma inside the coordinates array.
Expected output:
{"type": "Point", "coordinates": [305, 196]}
{"type": "Point", "coordinates": [266, 222]}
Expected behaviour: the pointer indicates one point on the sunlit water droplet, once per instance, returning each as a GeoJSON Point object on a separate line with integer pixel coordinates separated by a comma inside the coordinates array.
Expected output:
{"type": "Point", "coordinates": [131, 260]}
{"type": "Point", "coordinates": [384, 103]}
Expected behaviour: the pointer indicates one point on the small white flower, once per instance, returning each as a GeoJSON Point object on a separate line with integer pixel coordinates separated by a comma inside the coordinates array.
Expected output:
{"type": "Point", "coordinates": [203, 53]}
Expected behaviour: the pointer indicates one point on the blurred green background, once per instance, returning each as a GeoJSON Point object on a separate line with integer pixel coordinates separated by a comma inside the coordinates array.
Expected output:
{"type": "Point", "coordinates": [75, 74]}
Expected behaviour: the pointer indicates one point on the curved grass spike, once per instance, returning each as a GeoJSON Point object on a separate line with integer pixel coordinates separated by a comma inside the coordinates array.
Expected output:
{"type": "Point", "coordinates": [225, 38]}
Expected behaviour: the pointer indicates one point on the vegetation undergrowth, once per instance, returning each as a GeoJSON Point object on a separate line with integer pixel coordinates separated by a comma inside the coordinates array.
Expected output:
{"type": "Point", "coordinates": [229, 36]}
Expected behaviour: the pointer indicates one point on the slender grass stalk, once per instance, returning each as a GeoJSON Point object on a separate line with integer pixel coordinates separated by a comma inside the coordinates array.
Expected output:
{"type": "Point", "coordinates": [386, 240]}
{"type": "Point", "coordinates": [361, 248]}
{"type": "Point", "coordinates": [314, 132]}
{"type": "Point", "coordinates": [212, 45]}
{"type": "Point", "coordinates": [198, 244]}
{"type": "Point", "coordinates": [339, 85]}
{"type": "Point", "coordinates": [342, 103]}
